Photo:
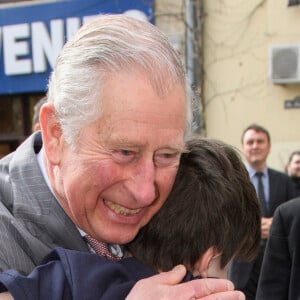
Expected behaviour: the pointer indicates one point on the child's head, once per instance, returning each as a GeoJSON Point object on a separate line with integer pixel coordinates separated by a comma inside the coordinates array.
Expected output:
{"type": "Point", "coordinates": [212, 213]}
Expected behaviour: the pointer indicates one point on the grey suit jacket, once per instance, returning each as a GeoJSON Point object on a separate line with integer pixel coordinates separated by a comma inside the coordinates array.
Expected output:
{"type": "Point", "coordinates": [31, 220]}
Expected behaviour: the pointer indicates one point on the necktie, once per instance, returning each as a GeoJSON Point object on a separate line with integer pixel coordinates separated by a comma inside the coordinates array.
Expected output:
{"type": "Point", "coordinates": [100, 248]}
{"type": "Point", "coordinates": [261, 194]}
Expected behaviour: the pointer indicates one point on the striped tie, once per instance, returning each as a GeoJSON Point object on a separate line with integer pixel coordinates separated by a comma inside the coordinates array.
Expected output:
{"type": "Point", "coordinates": [261, 194]}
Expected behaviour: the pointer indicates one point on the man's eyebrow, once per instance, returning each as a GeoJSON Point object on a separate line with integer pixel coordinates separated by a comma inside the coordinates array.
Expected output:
{"type": "Point", "coordinates": [179, 149]}
{"type": "Point", "coordinates": [123, 142]}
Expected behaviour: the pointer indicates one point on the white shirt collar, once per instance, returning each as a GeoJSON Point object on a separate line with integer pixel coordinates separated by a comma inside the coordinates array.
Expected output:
{"type": "Point", "coordinates": [43, 169]}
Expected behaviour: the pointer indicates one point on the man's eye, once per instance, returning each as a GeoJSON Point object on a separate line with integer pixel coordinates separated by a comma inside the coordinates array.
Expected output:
{"type": "Point", "coordinates": [126, 152]}
{"type": "Point", "coordinates": [123, 155]}
{"type": "Point", "coordinates": [169, 155]}
{"type": "Point", "coordinates": [166, 159]}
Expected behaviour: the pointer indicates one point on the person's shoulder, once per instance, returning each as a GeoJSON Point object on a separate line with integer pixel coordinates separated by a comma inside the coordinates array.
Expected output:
{"type": "Point", "coordinates": [291, 207]}
{"type": "Point", "coordinates": [274, 171]}
{"type": "Point", "coordinates": [277, 173]}
{"type": "Point", "coordinates": [137, 269]}
{"type": "Point", "coordinates": [287, 216]}
{"type": "Point", "coordinates": [286, 221]}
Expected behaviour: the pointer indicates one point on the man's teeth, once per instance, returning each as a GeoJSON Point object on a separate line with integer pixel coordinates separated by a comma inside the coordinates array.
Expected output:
{"type": "Point", "coordinates": [121, 210]}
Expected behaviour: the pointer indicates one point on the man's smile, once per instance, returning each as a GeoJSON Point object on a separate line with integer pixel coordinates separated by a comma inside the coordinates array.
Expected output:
{"type": "Point", "coordinates": [121, 209]}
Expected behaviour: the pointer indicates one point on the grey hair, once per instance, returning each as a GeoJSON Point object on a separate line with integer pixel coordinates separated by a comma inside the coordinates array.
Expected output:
{"type": "Point", "coordinates": [103, 47]}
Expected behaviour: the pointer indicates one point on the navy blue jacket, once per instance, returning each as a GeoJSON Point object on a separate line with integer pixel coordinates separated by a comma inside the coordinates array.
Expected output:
{"type": "Point", "coordinates": [69, 274]}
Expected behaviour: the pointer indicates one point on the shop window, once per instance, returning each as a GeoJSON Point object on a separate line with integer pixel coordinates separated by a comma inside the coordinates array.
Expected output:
{"type": "Point", "coordinates": [16, 113]}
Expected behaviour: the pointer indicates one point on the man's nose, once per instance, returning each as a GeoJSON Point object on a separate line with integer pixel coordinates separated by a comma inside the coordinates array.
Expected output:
{"type": "Point", "coordinates": [142, 184]}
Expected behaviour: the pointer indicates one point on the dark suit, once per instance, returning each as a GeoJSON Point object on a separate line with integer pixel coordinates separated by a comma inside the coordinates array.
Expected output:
{"type": "Point", "coordinates": [69, 274]}
{"type": "Point", "coordinates": [280, 272]}
{"type": "Point", "coordinates": [296, 184]}
{"type": "Point", "coordinates": [31, 220]}
{"type": "Point", "coordinates": [245, 275]}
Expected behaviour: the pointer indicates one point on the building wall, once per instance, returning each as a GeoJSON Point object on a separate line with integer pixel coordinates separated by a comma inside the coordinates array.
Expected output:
{"type": "Point", "coordinates": [236, 90]}
{"type": "Point", "coordinates": [170, 18]}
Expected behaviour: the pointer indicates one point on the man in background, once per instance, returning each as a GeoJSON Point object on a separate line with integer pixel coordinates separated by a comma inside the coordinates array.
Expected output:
{"type": "Point", "coordinates": [293, 170]}
{"type": "Point", "coordinates": [273, 188]}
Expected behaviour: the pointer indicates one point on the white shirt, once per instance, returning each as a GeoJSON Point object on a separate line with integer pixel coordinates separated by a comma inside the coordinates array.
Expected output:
{"type": "Point", "coordinates": [265, 181]}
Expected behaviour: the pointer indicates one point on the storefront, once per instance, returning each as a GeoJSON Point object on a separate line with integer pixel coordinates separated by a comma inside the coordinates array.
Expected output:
{"type": "Point", "coordinates": [31, 37]}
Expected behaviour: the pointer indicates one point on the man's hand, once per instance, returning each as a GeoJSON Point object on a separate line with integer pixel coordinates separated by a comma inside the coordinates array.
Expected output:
{"type": "Point", "coordinates": [167, 285]}
{"type": "Point", "coordinates": [265, 227]}
{"type": "Point", "coordinates": [6, 296]}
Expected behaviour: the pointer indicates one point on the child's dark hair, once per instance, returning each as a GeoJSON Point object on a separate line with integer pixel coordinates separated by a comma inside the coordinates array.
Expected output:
{"type": "Point", "coordinates": [212, 203]}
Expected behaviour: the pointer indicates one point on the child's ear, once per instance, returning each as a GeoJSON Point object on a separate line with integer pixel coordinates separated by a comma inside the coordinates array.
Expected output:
{"type": "Point", "coordinates": [202, 264]}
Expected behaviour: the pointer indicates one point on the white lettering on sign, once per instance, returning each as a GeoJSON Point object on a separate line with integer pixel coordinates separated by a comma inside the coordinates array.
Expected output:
{"type": "Point", "coordinates": [33, 47]}
{"type": "Point", "coordinates": [45, 47]}
{"type": "Point", "coordinates": [16, 49]}
{"type": "Point", "coordinates": [30, 48]}
{"type": "Point", "coordinates": [72, 25]}
{"type": "Point", "coordinates": [88, 18]}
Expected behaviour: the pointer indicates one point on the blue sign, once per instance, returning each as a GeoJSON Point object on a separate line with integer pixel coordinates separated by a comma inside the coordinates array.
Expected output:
{"type": "Point", "coordinates": [32, 36]}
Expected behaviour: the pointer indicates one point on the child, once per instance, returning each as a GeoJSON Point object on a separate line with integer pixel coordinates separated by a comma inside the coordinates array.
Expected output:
{"type": "Point", "coordinates": [211, 216]}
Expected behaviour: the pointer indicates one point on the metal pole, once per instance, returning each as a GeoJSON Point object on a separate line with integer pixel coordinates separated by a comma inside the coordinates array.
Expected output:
{"type": "Point", "coordinates": [192, 59]}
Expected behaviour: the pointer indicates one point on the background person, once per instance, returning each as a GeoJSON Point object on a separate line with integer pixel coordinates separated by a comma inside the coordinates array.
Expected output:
{"type": "Point", "coordinates": [108, 154]}
{"type": "Point", "coordinates": [199, 226]}
{"type": "Point", "coordinates": [275, 188]}
{"type": "Point", "coordinates": [293, 170]}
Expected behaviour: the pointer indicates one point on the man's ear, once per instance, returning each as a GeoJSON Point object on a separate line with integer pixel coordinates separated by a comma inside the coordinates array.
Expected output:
{"type": "Point", "coordinates": [51, 133]}
{"type": "Point", "coordinates": [202, 264]}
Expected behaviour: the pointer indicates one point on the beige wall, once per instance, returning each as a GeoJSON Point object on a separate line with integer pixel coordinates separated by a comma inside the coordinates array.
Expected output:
{"type": "Point", "coordinates": [170, 18]}
{"type": "Point", "coordinates": [236, 89]}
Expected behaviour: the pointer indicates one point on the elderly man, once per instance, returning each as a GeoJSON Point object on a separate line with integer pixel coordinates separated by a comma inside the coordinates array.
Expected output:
{"type": "Point", "coordinates": [272, 188]}
{"type": "Point", "coordinates": [112, 133]}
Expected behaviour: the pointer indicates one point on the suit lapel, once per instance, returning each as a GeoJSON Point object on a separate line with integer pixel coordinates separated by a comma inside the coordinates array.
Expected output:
{"type": "Point", "coordinates": [36, 205]}
{"type": "Point", "coordinates": [275, 190]}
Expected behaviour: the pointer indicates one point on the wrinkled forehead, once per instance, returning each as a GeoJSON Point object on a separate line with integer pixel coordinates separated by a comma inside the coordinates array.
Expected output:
{"type": "Point", "coordinates": [130, 90]}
